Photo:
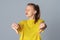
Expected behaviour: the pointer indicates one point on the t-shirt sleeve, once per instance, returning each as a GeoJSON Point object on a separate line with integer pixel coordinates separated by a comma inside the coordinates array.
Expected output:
{"type": "Point", "coordinates": [21, 24]}
{"type": "Point", "coordinates": [42, 21]}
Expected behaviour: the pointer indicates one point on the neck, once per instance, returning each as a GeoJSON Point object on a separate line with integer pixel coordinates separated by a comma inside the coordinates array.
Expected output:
{"type": "Point", "coordinates": [32, 17]}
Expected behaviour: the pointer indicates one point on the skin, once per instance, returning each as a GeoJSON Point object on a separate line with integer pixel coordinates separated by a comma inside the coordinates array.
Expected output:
{"type": "Point", "coordinates": [29, 12]}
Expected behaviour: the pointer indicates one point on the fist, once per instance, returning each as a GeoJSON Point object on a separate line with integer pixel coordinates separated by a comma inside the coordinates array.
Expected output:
{"type": "Point", "coordinates": [15, 26]}
{"type": "Point", "coordinates": [42, 25]}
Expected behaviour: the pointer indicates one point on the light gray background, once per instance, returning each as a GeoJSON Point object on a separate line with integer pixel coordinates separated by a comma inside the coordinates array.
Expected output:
{"type": "Point", "coordinates": [13, 11]}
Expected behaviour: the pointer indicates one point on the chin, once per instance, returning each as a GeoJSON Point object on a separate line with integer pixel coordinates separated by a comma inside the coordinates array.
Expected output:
{"type": "Point", "coordinates": [27, 16]}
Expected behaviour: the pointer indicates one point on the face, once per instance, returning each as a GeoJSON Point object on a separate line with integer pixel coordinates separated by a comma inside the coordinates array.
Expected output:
{"type": "Point", "coordinates": [30, 11]}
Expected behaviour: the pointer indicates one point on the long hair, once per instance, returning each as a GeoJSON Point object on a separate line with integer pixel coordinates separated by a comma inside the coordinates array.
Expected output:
{"type": "Point", "coordinates": [36, 7]}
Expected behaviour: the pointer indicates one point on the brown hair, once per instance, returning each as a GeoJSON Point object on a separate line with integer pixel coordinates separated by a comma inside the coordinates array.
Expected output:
{"type": "Point", "coordinates": [36, 7]}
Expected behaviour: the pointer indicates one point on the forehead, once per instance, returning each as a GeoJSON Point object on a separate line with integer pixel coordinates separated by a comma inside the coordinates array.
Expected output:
{"type": "Point", "coordinates": [29, 7]}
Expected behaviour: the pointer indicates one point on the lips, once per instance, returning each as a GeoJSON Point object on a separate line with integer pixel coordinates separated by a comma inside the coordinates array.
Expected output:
{"type": "Point", "coordinates": [26, 13]}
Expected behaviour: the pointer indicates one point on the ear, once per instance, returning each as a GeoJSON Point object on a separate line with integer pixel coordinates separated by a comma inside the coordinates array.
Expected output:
{"type": "Point", "coordinates": [35, 12]}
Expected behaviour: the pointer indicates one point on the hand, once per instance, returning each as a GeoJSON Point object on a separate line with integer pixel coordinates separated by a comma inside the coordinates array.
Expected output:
{"type": "Point", "coordinates": [15, 26]}
{"type": "Point", "coordinates": [42, 25]}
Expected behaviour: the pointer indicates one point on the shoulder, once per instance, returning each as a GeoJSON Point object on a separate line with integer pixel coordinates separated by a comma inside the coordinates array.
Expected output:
{"type": "Point", "coordinates": [21, 21]}
{"type": "Point", "coordinates": [41, 20]}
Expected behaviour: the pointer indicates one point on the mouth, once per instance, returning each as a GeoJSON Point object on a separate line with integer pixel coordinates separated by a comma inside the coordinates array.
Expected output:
{"type": "Point", "coordinates": [26, 13]}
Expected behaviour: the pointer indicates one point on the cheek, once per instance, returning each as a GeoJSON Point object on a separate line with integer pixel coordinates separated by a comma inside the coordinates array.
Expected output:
{"type": "Point", "coordinates": [28, 12]}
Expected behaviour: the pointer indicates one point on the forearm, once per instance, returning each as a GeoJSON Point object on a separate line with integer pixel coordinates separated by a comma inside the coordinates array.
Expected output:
{"type": "Point", "coordinates": [40, 31]}
{"type": "Point", "coordinates": [19, 28]}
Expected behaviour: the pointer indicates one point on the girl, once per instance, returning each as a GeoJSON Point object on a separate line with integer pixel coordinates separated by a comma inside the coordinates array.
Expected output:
{"type": "Point", "coordinates": [31, 28]}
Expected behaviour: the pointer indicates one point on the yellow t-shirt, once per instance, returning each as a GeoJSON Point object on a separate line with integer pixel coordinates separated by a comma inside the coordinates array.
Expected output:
{"type": "Point", "coordinates": [29, 30]}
